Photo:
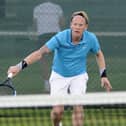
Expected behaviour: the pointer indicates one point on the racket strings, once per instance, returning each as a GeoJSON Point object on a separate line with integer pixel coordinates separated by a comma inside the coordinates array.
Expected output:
{"type": "Point", "coordinates": [6, 87]}
{"type": "Point", "coordinates": [6, 90]}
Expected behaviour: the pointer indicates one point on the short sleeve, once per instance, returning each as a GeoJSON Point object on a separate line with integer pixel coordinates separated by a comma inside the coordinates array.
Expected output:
{"type": "Point", "coordinates": [95, 44]}
{"type": "Point", "coordinates": [53, 43]}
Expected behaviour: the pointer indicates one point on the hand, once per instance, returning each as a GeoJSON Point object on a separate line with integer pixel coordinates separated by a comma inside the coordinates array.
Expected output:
{"type": "Point", "coordinates": [14, 70]}
{"type": "Point", "coordinates": [106, 84]}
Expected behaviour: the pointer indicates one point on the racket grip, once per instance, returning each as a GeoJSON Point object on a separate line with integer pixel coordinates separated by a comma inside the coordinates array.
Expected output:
{"type": "Point", "coordinates": [10, 75]}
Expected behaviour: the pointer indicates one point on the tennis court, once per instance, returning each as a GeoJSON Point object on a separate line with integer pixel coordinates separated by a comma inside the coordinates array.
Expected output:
{"type": "Point", "coordinates": [18, 39]}
{"type": "Point", "coordinates": [30, 80]}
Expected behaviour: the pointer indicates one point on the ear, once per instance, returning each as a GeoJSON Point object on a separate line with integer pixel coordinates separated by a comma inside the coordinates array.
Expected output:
{"type": "Point", "coordinates": [86, 26]}
{"type": "Point", "coordinates": [70, 25]}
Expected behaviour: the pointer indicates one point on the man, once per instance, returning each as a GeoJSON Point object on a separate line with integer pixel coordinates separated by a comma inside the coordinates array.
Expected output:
{"type": "Point", "coordinates": [70, 47]}
{"type": "Point", "coordinates": [48, 20]}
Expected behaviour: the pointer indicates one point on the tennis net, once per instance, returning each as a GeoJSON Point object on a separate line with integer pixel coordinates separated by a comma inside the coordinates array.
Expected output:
{"type": "Point", "coordinates": [100, 109]}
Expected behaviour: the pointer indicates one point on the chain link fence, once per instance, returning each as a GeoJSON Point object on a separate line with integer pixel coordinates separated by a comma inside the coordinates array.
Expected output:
{"type": "Point", "coordinates": [18, 38]}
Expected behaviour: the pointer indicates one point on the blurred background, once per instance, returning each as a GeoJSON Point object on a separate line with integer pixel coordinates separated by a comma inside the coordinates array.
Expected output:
{"type": "Point", "coordinates": [18, 38]}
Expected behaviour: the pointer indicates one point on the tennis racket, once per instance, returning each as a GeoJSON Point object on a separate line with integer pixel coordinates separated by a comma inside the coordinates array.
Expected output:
{"type": "Point", "coordinates": [6, 87]}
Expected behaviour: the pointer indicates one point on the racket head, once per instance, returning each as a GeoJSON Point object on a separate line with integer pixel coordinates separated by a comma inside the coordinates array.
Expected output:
{"type": "Point", "coordinates": [7, 88]}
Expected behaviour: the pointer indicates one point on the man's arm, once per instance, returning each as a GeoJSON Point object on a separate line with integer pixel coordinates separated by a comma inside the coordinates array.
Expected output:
{"type": "Point", "coordinates": [30, 59]}
{"type": "Point", "coordinates": [36, 55]}
{"type": "Point", "coordinates": [102, 67]}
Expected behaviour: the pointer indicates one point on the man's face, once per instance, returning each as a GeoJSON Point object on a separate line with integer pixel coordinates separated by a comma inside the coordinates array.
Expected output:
{"type": "Point", "coordinates": [78, 25]}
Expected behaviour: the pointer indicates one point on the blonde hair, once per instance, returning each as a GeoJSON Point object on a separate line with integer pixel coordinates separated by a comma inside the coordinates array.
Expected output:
{"type": "Point", "coordinates": [81, 13]}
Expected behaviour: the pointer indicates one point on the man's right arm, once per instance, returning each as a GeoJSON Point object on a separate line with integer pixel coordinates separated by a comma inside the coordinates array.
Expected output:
{"type": "Point", "coordinates": [30, 59]}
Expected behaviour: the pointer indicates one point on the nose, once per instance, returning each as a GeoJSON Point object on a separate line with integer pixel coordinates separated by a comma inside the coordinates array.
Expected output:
{"type": "Point", "coordinates": [77, 27]}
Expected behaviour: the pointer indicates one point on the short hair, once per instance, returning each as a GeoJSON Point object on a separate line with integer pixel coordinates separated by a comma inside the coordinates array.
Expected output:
{"type": "Point", "coordinates": [81, 13]}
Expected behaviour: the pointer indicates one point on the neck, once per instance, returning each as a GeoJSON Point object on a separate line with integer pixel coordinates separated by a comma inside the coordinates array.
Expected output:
{"type": "Point", "coordinates": [76, 40]}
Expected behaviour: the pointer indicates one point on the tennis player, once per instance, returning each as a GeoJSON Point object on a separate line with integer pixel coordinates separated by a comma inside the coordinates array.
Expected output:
{"type": "Point", "coordinates": [71, 48]}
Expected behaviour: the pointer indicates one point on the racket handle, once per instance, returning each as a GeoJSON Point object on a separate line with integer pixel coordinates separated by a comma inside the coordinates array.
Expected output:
{"type": "Point", "coordinates": [10, 75]}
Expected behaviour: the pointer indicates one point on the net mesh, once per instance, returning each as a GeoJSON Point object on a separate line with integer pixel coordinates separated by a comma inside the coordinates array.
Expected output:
{"type": "Point", "coordinates": [100, 109]}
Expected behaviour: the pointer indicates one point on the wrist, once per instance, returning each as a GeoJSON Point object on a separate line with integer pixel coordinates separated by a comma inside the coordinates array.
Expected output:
{"type": "Point", "coordinates": [23, 64]}
{"type": "Point", "coordinates": [103, 73]}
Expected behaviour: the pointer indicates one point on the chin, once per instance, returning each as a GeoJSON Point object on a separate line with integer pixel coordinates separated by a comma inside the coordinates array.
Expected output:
{"type": "Point", "coordinates": [78, 35]}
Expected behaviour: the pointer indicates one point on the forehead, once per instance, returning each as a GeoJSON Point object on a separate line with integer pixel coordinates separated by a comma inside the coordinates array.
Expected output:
{"type": "Point", "coordinates": [78, 18]}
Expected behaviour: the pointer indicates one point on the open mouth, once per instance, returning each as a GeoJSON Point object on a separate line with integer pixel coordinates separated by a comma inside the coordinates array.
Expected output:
{"type": "Point", "coordinates": [76, 31]}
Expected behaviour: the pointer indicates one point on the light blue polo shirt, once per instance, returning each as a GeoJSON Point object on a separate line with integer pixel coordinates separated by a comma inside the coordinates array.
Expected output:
{"type": "Point", "coordinates": [70, 59]}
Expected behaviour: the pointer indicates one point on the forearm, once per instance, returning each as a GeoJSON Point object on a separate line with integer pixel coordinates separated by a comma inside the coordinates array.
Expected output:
{"type": "Point", "coordinates": [101, 63]}
{"type": "Point", "coordinates": [33, 57]}
{"type": "Point", "coordinates": [100, 60]}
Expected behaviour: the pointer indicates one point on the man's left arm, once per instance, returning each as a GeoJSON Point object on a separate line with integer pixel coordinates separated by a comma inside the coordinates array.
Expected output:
{"type": "Point", "coordinates": [103, 73]}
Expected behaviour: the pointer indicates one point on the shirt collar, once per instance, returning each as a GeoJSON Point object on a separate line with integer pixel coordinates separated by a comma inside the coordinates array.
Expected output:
{"type": "Point", "coordinates": [83, 40]}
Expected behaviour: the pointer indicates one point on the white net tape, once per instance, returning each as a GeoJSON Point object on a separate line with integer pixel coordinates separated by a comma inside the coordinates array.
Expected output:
{"type": "Point", "coordinates": [47, 100]}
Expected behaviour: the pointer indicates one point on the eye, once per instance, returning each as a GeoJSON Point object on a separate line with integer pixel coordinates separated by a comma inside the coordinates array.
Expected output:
{"type": "Point", "coordinates": [80, 25]}
{"type": "Point", "coordinates": [75, 24]}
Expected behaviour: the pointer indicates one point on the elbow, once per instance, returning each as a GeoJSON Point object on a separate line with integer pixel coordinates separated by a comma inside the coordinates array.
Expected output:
{"type": "Point", "coordinates": [43, 50]}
